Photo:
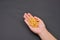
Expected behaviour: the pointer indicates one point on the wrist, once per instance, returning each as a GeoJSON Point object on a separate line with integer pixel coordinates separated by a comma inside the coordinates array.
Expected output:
{"type": "Point", "coordinates": [46, 35]}
{"type": "Point", "coordinates": [44, 30]}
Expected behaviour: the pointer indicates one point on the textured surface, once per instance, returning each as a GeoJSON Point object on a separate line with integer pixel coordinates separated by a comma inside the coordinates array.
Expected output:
{"type": "Point", "coordinates": [12, 26]}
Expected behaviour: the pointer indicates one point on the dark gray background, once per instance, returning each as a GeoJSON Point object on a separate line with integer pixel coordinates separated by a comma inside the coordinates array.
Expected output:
{"type": "Point", "coordinates": [12, 26]}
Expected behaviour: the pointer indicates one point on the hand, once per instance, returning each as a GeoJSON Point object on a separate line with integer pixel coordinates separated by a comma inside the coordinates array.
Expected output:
{"type": "Point", "coordinates": [40, 29]}
{"type": "Point", "coordinates": [41, 25]}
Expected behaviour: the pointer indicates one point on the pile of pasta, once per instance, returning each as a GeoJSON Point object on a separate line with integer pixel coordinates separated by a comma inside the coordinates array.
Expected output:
{"type": "Point", "coordinates": [33, 22]}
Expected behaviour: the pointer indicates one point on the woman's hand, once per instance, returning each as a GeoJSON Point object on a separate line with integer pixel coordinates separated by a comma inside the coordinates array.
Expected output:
{"type": "Point", "coordinates": [39, 28]}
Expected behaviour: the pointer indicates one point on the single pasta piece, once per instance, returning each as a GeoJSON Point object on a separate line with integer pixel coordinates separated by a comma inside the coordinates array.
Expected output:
{"type": "Point", "coordinates": [33, 22]}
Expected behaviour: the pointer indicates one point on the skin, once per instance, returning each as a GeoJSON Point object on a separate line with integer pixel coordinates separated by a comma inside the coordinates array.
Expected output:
{"type": "Point", "coordinates": [40, 29]}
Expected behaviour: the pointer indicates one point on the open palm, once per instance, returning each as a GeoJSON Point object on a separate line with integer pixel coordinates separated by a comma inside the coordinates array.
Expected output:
{"type": "Point", "coordinates": [41, 24]}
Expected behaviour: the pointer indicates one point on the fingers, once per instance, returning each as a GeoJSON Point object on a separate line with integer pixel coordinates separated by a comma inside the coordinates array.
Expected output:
{"type": "Point", "coordinates": [40, 20]}
{"type": "Point", "coordinates": [28, 24]}
{"type": "Point", "coordinates": [37, 18]}
{"type": "Point", "coordinates": [30, 15]}
{"type": "Point", "coordinates": [26, 16]}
